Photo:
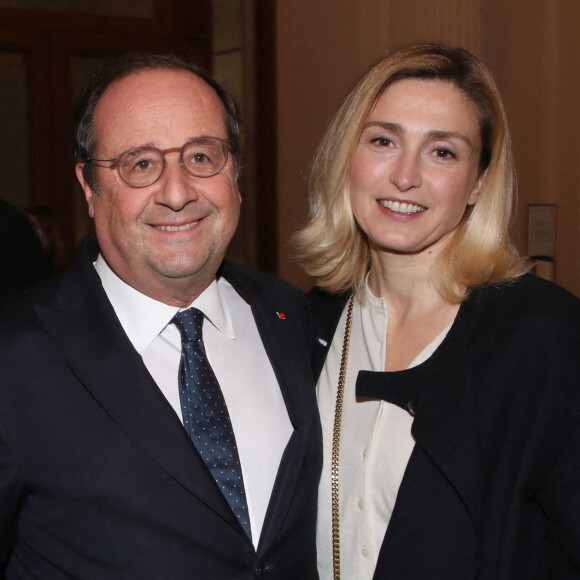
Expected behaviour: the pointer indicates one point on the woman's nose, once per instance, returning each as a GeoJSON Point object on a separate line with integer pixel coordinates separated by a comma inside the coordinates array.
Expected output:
{"type": "Point", "coordinates": [406, 171]}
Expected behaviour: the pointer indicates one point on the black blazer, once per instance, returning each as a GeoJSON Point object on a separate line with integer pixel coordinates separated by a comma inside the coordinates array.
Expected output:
{"type": "Point", "coordinates": [98, 478]}
{"type": "Point", "coordinates": [492, 488]}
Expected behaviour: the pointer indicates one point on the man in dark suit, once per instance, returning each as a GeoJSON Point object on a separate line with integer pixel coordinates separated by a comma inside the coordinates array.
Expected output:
{"type": "Point", "coordinates": [104, 469]}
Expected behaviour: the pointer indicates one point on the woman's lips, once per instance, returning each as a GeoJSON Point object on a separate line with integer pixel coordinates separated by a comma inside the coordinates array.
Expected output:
{"type": "Point", "coordinates": [401, 206]}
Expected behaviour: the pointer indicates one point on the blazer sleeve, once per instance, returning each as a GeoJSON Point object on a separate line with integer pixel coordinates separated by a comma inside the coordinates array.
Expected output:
{"type": "Point", "coordinates": [10, 497]}
{"type": "Point", "coordinates": [560, 501]}
{"type": "Point", "coordinates": [559, 494]}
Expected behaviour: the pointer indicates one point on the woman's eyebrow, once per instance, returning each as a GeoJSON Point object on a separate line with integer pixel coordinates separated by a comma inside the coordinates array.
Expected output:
{"type": "Point", "coordinates": [393, 127]}
{"type": "Point", "coordinates": [434, 133]}
{"type": "Point", "coordinates": [439, 134]}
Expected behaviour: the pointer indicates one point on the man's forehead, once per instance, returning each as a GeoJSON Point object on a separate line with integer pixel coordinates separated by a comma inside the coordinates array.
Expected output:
{"type": "Point", "coordinates": [152, 100]}
{"type": "Point", "coordinates": [157, 82]}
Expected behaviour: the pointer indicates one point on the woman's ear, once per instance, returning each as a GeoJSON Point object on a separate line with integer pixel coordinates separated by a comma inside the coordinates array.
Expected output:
{"type": "Point", "coordinates": [474, 195]}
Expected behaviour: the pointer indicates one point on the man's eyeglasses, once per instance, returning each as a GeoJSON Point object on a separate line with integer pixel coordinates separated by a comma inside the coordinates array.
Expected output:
{"type": "Point", "coordinates": [143, 166]}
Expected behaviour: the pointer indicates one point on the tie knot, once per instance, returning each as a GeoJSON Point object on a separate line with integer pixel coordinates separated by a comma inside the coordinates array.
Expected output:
{"type": "Point", "coordinates": [189, 323]}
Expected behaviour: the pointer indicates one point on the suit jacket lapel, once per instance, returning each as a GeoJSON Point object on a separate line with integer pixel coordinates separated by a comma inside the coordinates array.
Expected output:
{"type": "Point", "coordinates": [327, 310]}
{"type": "Point", "coordinates": [287, 348]}
{"type": "Point", "coordinates": [281, 352]}
{"type": "Point", "coordinates": [83, 325]}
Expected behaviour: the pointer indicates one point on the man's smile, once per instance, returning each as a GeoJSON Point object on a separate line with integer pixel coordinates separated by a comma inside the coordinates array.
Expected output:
{"type": "Point", "coordinates": [177, 228]}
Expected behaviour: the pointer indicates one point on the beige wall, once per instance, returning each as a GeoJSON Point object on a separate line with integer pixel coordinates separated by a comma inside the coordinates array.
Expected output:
{"type": "Point", "coordinates": [532, 46]}
{"type": "Point", "coordinates": [322, 49]}
{"type": "Point", "coordinates": [535, 54]}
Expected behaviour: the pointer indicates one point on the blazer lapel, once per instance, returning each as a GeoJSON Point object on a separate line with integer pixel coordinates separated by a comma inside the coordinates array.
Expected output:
{"type": "Point", "coordinates": [287, 347]}
{"type": "Point", "coordinates": [439, 394]}
{"type": "Point", "coordinates": [287, 366]}
{"type": "Point", "coordinates": [85, 329]}
{"type": "Point", "coordinates": [439, 509]}
{"type": "Point", "coordinates": [327, 309]}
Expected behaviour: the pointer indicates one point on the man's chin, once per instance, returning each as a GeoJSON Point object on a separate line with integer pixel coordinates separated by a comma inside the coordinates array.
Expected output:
{"type": "Point", "coordinates": [181, 269]}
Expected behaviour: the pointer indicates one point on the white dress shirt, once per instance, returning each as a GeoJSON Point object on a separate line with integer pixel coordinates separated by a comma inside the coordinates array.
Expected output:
{"type": "Point", "coordinates": [236, 353]}
{"type": "Point", "coordinates": [375, 445]}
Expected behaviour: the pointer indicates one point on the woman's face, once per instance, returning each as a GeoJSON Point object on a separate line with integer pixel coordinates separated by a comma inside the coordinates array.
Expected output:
{"type": "Point", "coordinates": [416, 167]}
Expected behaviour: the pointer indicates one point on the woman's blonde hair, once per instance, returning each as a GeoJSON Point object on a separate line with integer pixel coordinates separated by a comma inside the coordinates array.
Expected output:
{"type": "Point", "coordinates": [332, 247]}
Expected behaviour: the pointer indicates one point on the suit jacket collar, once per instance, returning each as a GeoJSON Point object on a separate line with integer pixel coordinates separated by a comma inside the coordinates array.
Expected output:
{"type": "Point", "coordinates": [82, 323]}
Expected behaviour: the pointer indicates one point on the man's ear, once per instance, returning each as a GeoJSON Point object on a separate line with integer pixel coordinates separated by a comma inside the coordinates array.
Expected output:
{"type": "Point", "coordinates": [89, 191]}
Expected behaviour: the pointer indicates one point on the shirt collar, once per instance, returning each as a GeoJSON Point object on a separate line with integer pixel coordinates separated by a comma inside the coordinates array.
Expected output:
{"type": "Point", "coordinates": [143, 318]}
{"type": "Point", "coordinates": [212, 302]}
{"type": "Point", "coordinates": [375, 301]}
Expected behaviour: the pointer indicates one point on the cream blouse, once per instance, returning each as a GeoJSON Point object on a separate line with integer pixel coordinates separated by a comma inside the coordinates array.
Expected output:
{"type": "Point", "coordinates": [375, 446]}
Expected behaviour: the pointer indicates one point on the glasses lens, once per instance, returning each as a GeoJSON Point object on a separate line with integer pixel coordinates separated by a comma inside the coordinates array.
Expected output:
{"type": "Point", "coordinates": [141, 167]}
{"type": "Point", "coordinates": [204, 157]}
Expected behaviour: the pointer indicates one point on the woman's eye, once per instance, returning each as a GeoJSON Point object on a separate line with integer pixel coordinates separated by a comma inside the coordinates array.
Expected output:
{"type": "Point", "coordinates": [381, 141]}
{"type": "Point", "coordinates": [444, 153]}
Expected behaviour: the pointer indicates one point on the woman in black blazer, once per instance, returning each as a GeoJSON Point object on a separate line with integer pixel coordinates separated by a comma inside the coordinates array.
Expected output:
{"type": "Point", "coordinates": [449, 377]}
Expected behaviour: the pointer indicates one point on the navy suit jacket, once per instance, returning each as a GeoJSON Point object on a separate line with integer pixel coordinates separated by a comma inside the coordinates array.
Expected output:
{"type": "Point", "coordinates": [99, 479]}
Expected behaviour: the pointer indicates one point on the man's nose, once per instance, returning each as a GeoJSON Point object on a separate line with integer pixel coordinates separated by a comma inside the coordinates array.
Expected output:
{"type": "Point", "coordinates": [406, 170]}
{"type": "Point", "coordinates": [176, 188]}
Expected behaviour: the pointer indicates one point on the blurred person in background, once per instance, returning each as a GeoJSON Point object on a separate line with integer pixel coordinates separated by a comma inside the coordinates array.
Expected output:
{"type": "Point", "coordinates": [22, 260]}
{"type": "Point", "coordinates": [44, 220]}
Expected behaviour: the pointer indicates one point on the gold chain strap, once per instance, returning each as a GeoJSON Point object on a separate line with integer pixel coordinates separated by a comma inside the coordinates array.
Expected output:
{"type": "Point", "coordinates": [336, 445]}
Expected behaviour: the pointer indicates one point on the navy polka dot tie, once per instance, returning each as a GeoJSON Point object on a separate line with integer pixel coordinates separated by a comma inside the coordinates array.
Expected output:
{"type": "Point", "coordinates": [205, 415]}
